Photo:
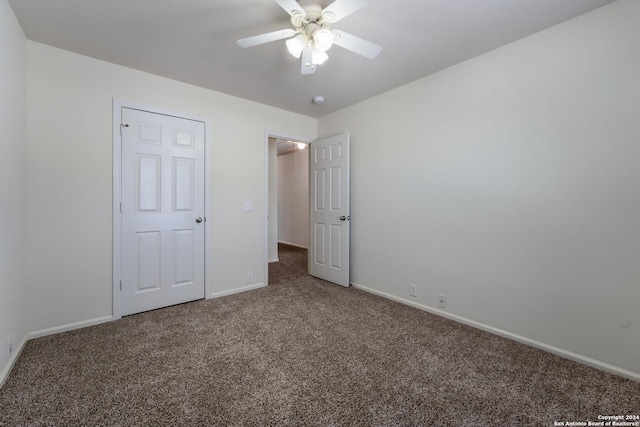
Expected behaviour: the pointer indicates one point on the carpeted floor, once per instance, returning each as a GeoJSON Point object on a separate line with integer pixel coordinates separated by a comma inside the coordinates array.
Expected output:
{"type": "Point", "coordinates": [300, 352]}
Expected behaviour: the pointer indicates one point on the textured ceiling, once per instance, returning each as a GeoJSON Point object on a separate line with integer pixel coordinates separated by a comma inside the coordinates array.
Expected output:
{"type": "Point", "coordinates": [194, 41]}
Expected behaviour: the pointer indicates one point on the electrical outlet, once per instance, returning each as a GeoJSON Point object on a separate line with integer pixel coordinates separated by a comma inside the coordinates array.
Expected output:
{"type": "Point", "coordinates": [249, 277]}
{"type": "Point", "coordinates": [442, 301]}
{"type": "Point", "coordinates": [413, 290]}
{"type": "Point", "coordinates": [9, 343]}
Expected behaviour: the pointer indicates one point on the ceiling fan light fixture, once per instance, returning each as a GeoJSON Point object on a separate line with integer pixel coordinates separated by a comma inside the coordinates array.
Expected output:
{"type": "Point", "coordinates": [296, 44]}
{"type": "Point", "coordinates": [312, 36]}
{"type": "Point", "coordinates": [323, 39]}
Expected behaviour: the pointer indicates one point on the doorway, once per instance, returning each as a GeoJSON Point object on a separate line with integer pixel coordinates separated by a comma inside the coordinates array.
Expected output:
{"type": "Point", "coordinates": [288, 190]}
{"type": "Point", "coordinates": [327, 217]}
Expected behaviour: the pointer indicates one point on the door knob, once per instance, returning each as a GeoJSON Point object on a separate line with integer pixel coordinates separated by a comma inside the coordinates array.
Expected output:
{"type": "Point", "coordinates": [343, 218]}
{"type": "Point", "coordinates": [199, 220]}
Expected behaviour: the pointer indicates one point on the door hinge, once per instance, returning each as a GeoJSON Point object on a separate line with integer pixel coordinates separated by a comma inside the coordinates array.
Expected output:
{"type": "Point", "coordinates": [120, 207]}
{"type": "Point", "coordinates": [123, 125]}
{"type": "Point", "coordinates": [120, 284]}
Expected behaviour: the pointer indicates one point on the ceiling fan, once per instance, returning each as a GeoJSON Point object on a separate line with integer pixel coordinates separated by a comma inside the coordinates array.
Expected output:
{"type": "Point", "coordinates": [311, 35]}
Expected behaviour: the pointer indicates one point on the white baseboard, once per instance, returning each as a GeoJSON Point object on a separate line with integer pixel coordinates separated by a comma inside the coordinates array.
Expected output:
{"type": "Point", "coordinates": [4, 374]}
{"type": "Point", "coordinates": [238, 290]}
{"type": "Point", "coordinates": [273, 260]}
{"type": "Point", "coordinates": [293, 244]}
{"type": "Point", "coordinates": [69, 327]}
{"type": "Point", "coordinates": [533, 343]}
{"type": "Point", "coordinates": [43, 333]}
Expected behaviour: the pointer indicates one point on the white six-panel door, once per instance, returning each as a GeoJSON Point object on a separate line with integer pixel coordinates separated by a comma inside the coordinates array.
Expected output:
{"type": "Point", "coordinates": [329, 200]}
{"type": "Point", "coordinates": [162, 210]}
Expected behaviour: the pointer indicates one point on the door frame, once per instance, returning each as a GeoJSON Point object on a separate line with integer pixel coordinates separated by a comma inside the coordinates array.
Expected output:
{"type": "Point", "coordinates": [118, 104]}
{"type": "Point", "coordinates": [282, 135]}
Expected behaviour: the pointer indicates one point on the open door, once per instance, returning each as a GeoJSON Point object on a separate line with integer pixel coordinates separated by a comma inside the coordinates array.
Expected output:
{"type": "Point", "coordinates": [329, 209]}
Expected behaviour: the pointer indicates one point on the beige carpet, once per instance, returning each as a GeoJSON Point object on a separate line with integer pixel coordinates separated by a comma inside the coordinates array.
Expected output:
{"type": "Point", "coordinates": [299, 352]}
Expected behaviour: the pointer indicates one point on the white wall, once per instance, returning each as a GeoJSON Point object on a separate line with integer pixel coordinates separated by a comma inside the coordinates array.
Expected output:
{"type": "Point", "coordinates": [293, 198]}
{"type": "Point", "coordinates": [13, 135]}
{"type": "Point", "coordinates": [69, 238]}
{"type": "Point", "coordinates": [511, 184]}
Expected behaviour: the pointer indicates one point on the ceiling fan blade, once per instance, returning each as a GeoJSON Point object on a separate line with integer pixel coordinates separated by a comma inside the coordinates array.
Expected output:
{"type": "Point", "coordinates": [291, 7]}
{"type": "Point", "coordinates": [356, 44]}
{"type": "Point", "coordinates": [341, 9]}
{"type": "Point", "coordinates": [266, 38]}
{"type": "Point", "coordinates": [307, 66]}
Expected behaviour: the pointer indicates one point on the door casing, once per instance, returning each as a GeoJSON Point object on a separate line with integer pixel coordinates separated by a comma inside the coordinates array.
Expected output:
{"type": "Point", "coordinates": [117, 195]}
{"type": "Point", "coordinates": [266, 192]}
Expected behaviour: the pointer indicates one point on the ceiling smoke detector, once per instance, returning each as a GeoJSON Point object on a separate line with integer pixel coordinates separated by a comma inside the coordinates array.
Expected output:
{"type": "Point", "coordinates": [317, 100]}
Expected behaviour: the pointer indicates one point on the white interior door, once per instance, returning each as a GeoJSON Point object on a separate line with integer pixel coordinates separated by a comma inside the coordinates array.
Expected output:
{"type": "Point", "coordinates": [329, 209]}
{"type": "Point", "coordinates": [162, 210]}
